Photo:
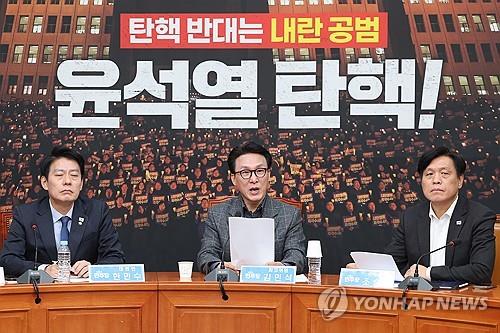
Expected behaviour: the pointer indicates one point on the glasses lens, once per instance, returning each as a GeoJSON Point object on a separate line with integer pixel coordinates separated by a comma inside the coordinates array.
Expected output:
{"type": "Point", "coordinates": [245, 174]}
{"type": "Point", "coordinates": [260, 172]}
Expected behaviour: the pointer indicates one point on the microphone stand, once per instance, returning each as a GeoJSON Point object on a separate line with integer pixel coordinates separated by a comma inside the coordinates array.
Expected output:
{"type": "Point", "coordinates": [225, 297]}
{"type": "Point", "coordinates": [417, 282]}
{"type": "Point", "coordinates": [222, 274]}
{"type": "Point", "coordinates": [38, 300]}
{"type": "Point", "coordinates": [34, 276]}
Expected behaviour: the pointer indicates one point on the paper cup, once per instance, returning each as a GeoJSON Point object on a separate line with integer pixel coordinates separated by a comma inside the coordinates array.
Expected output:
{"type": "Point", "coordinates": [2, 277]}
{"type": "Point", "coordinates": [185, 269]}
{"type": "Point", "coordinates": [314, 249]}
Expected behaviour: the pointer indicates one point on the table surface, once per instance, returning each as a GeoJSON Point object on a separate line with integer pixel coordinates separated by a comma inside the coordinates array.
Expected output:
{"type": "Point", "coordinates": [171, 281]}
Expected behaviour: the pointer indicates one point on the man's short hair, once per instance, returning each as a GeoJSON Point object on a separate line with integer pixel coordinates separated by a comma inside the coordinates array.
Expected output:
{"type": "Point", "coordinates": [431, 155]}
{"type": "Point", "coordinates": [58, 152]}
{"type": "Point", "coordinates": [248, 148]}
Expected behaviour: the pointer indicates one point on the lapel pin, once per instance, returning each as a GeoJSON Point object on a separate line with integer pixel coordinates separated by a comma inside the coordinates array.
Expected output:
{"type": "Point", "coordinates": [458, 222]}
{"type": "Point", "coordinates": [80, 220]}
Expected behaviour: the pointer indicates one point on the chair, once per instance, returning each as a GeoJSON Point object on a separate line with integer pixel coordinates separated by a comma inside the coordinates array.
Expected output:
{"type": "Point", "coordinates": [218, 200]}
{"type": "Point", "coordinates": [496, 269]}
{"type": "Point", "coordinates": [292, 202]}
{"type": "Point", "coordinates": [5, 221]}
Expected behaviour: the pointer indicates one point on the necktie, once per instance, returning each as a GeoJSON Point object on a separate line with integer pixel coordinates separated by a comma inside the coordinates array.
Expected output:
{"type": "Point", "coordinates": [64, 228]}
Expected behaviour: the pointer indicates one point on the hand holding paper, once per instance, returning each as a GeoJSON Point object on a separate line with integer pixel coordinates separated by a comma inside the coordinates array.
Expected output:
{"type": "Point", "coordinates": [252, 241]}
{"type": "Point", "coordinates": [376, 261]}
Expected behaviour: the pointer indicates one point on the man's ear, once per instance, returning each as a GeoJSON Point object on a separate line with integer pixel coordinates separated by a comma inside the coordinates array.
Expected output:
{"type": "Point", "coordinates": [44, 183]}
{"type": "Point", "coordinates": [460, 181]}
{"type": "Point", "coordinates": [232, 179]}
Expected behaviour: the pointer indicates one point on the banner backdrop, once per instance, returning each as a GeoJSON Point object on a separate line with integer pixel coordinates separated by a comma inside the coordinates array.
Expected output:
{"type": "Point", "coordinates": [338, 95]}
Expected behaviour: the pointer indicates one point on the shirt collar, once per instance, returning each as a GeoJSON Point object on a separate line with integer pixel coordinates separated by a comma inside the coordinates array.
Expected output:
{"type": "Point", "coordinates": [448, 212]}
{"type": "Point", "coordinates": [259, 209]}
{"type": "Point", "coordinates": [56, 216]}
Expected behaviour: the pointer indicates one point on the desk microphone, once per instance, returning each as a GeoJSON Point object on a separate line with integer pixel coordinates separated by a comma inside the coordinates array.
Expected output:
{"type": "Point", "coordinates": [34, 227]}
{"type": "Point", "coordinates": [34, 276]}
{"type": "Point", "coordinates": [417, 282]}
{"type": "Point", "coordinates": [222, 274]}
{"type": "Point", "coordinates": [38, 300]}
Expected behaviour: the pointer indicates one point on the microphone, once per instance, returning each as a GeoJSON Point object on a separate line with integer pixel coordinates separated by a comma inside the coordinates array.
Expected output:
{"type": "Point", "coordinates": [34, 276]}
{"type": "Point", "coordinates": [34, 227]}
{"type": "Point", "coordinates": [417, 282]}
{"type": "Point", "coordinates": [222, 274]}
{"type": "Point", "coordinates": [38, 300]}
{"type": "Point", "coordinates": [222, 262]}
{"type": "Point", "coordinates": [451, 243]}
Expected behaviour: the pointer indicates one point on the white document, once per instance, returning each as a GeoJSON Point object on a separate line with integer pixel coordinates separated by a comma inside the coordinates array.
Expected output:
{"type": "Point", "coordinates": [301, 278]}
{"type": "Point", "coordinates": [76, 279]}
{"type": "Point", "coordinates": [251, 240]}
{"type": "Point", "coordinates": [378, 261]}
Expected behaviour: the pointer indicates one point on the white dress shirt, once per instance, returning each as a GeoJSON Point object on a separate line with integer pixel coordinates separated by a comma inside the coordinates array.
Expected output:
{"type": "Point", "coordinates": [439, 235]}
{"type": "Point", "coordinates": [56, 216]}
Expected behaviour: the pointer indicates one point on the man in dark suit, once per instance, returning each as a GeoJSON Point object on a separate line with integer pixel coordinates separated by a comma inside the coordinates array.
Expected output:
{"type": "Point", "coordinates": [250, 166]}
{"type": "Point", "coordinates": [63, 215]}
{"type": "Point", "coordinates": [446, 216]}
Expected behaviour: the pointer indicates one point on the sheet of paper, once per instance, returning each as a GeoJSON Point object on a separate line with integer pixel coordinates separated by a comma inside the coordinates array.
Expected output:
{"type": "Point", "coordinates": [76, 279]}
{"type": "Point", "coordinates": [301, 278]}
{"type": "Point", "coordinates": [251, 240]}
{"type": "Point", "coordinates": [379, 261]}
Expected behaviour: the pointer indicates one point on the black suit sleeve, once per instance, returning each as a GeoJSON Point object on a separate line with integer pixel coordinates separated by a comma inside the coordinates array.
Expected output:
{"type": "Point", "coordinates": [397, 246]}
{"type": "Point", "coordinates": [13, 257]}
{"type": "Point", "coordinates": [294, 249]}
{"type": "Point", "coordinates": [482, 254]}
{"type": "Point", "coordinates": [211, 249]}
{"type": "Point", "coordinates": [109, 250]}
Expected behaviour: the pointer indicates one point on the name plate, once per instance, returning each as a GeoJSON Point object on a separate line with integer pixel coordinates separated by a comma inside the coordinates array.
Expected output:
{"type": "Point", "coordinates": [116, 273]}
{"type": "Point", "coordinates": [268, 274]}
{"type": "Point", "coordinates": [367, 278]}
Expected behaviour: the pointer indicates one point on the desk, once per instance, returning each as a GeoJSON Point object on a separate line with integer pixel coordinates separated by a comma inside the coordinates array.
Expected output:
{"type": "Point", "coordinates": [419, 318]}
{"type": "Point", "coordinates": [80, 308]}
{"type": "Point", "coordinates": [197, 306]}
{"type": "Point", "coordinates": [163, 304]}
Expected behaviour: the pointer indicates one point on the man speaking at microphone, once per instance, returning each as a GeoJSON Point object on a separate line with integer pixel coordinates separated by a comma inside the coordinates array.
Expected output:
{"type": "Point", "coordinates": [250, 167]}
{"type": "Point", "coordinates": [447, 216]}
{"type": "Point", "coordinates": [63, 215]}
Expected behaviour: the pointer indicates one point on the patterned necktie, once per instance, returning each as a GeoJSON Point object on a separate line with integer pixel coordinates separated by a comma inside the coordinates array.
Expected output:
{"type": "Point", "coordinates": [64, 228]}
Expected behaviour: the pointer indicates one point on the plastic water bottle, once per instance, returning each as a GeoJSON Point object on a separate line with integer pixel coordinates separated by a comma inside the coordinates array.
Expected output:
{"type": "Point", "coordinates": [314, 256]}
{"type": "Point", "coordinates": [314, 275]}
{"type": "Point", "coordinates": [64, 262]}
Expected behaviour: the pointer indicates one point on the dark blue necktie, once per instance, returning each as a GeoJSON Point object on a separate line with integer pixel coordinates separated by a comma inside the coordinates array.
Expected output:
{"type": "Point", "coordinates": [64, 228]}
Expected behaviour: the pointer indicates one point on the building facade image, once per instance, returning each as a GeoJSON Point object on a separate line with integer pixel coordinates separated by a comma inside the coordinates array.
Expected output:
{"type": "Point", "coordinates": [36, 35]}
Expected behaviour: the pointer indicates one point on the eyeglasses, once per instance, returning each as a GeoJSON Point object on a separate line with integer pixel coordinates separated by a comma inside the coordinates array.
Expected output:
{"type": "Point", "coordinates": [247, 174]}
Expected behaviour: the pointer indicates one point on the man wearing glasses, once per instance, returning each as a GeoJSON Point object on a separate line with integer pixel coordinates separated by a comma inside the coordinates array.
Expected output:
{"type": "Point", "coordinates": [250, 167]}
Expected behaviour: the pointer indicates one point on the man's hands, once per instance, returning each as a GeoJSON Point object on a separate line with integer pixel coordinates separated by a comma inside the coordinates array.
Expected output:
{"type": "Point", "coordinates": [274, 263]}
{"type": "Point", "coordinates": [422, 271]}
{"type": "Point", "coordinates": [235, 268]}
{"type": "Point", "coordinates": [52, 270]}
{"type": "Point", "coordinates": [80, 269]}
{"type": "Point", "coordinates": [232, 266]}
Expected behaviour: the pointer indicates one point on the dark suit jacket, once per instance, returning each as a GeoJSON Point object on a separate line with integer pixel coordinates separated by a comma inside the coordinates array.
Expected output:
{"type": "Point", "coordinates": [472, 260]}
{"type": "Point", "coordinates": [95, 240]}
{"type": "Point", "coordinates": [289, 239]}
